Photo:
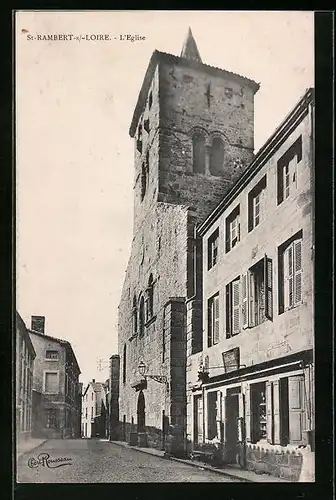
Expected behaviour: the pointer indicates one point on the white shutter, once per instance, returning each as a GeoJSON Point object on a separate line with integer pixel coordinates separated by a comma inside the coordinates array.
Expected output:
{"type": "Point", "coordinates": [235, 306]}
{"type": "Point", "coordinates": [241, 416]}
{"type": "Point", "coordinates": [219, 415]}
{"type": "Point", "coordinates": [288, 277]}
{"type": "Point", "coordinates": [297, 271]}
{"type": "Point", "coordinates": [269, 412]}
{"type": "Point", "coordinates": [276, 411]}
{"type": "Point", "coordinates": [245, 300]}
{"type": "Point", "coordinates": [268, 278]}
{"type": "Point", "coordinates": [296, 408]}
{"type": "Point", "coordinates": [215, 316]}
{"type": "Point", "coordinates": [251, 295]}
{"type": "Point", "coordinates": [248, 414]}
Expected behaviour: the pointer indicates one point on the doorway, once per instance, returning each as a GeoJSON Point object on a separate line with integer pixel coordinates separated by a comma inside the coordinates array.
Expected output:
{"type": "Point", "coordinates": [231, 425]}
{"type": "Point", "coordinates": [141, 422]}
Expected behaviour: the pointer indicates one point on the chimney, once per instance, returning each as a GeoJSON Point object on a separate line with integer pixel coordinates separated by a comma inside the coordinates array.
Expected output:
{"type": "Point", "coordinates": [38, 323]}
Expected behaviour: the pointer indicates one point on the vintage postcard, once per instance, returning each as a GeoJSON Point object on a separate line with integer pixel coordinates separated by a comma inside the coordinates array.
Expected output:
{"type": "Point", "coordinates": [165, 246]}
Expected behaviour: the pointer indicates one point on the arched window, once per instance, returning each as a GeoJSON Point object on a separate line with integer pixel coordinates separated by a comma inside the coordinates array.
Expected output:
{"type": "Point", "coordinates": [143, 181]}
{"type": "Point", "coordinates": [124, 365]}
{"type": "Point", "coordinates": [198, 152]}
{"type": "Point", "coordinates": [216, 156]}
{"type": "Point", "coordinates": [142, 317]}
{"type": "Point", "coordinates": [135, 316]}
{"type": "Point", "coordinates": [149, 298]}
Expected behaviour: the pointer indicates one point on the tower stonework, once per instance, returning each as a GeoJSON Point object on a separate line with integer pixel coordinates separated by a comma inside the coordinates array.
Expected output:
{"type": "Point", "coordinates": [193, 136]}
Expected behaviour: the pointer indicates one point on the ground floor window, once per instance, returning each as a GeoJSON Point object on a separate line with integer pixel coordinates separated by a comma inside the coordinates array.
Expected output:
{"type": "Point", "coordinates": [258, 407]}
{"type": "Point", "coordinates": [51, 419]}
{"type": "Point", "coordinates": [212, 415]}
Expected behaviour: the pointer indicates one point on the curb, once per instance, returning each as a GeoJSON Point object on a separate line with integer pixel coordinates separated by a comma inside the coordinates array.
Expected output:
{"type": "Point", "coordinates": [204, 467]}
{"type": "Point", "coordinates": [19, 455]}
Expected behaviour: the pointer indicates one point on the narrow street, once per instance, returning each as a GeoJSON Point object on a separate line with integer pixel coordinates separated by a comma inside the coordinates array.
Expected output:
{"type": "Point", "coordinates": [96, 461]}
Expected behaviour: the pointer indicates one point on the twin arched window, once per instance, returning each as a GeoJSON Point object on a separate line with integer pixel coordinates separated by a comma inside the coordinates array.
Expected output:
{"type": "Point", "coordinates": [216, 154]}
{"type": "Point", "coordinates": [145, 312]}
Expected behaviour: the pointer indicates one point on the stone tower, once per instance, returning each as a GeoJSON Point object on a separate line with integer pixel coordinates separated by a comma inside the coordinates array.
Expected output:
{"type": "Point", "coordinates": [193, 135]}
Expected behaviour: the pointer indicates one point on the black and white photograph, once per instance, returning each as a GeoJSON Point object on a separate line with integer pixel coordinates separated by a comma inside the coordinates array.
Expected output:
{"type": "Point", "coordinates": [165, 246]}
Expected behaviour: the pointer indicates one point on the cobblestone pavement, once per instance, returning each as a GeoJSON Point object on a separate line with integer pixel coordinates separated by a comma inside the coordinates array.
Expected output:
{"type": "Point", "coordinates": [95, 461]}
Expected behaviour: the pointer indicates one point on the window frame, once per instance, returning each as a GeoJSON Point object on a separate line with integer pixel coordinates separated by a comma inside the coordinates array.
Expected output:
{"type": "Point", "coordinates": [213, 320]}
{"type": "Point", "coordinates": [290, 282]}
{"type": "Point", "coordinates": [258, 191]}
{"type": "Point", "coordinates": [213, 244]}
{"type": "Point", "coordinates": [45, 372]}
{"type": "Point", "coordinates": [233, 322]}
{"type": "Point", "coordinates": [294, 152]}
{"type": "Point", "coordinates": [51, 359]}
{"type": "Point", "coordinates": [232, 220]}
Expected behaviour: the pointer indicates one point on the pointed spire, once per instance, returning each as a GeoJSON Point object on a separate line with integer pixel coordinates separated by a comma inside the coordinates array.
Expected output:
{"type": "Point", "coordinates": [189, 49]}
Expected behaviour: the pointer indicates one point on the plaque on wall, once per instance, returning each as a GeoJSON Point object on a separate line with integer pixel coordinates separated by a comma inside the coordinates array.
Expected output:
{"type": "Point", "coordinates": [231, 360]}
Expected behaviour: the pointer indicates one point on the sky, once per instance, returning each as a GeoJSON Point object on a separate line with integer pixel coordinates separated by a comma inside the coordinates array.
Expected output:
{"type": "Point", "coordinates": [74, 157]}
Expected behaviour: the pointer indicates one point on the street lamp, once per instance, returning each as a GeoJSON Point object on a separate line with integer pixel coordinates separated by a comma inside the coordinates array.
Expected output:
{"type": "Point", "coordinates": [142, 368]}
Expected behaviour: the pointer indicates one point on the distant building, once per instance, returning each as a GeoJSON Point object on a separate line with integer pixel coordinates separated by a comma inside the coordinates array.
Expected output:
{"type": "Point", "coordinates": [56, 407]}
{"type": "Point", "coordinates": [25, 355]}
{"type": "Point", "coordinates": [94, 410]}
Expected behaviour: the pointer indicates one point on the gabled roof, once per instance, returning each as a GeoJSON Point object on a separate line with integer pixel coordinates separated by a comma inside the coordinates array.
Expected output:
{"type": "Point", "coordinates": [163, 57]}
{"type": "Point", "coordinates": [264, 153]}
{"type": "Point", "coordinates": [96, 386]}
{"type": "Point", "coordinates": [62, 342]}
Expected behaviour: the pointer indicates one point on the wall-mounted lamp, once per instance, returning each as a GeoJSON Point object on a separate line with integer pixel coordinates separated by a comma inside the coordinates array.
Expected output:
{"type": "Point", "coordinates": [142, 369]}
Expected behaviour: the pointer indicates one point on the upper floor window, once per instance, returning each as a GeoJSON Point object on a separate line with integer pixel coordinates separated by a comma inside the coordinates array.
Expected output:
{"type": "Point", "coordinates": [51, 383]}
{"type": "Point", "coordinates": [287, 171]}
{"type": "Point", "coordinates": [216, 156]}
{"type": "Point", "coordinates": [198, 141]}
{"type": "Point", "coordinates": [290, 274]}
{"type": "Point", "coordinates": [232, 229]}
{"type": "Point", "coordinates": [149, 298]}
{"type": "Point", "coordinates": [52, 355]}
{"type": "Point", "coordinates": [213, 320]}
{"type": "Point", "coordinates": [213, 242]}
{"type": "Point", "coordinates": [142, 317]}
{"type": "Point", "coordinates": [256, 209]}
{"type": "Point", "coordinates": [257, 293]}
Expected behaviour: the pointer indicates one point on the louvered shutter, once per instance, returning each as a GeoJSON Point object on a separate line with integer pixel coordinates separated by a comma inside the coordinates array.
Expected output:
{"type": "Point", "coordinates": [216, 319]}
{"type": "Point", "coordinates": [235, 306]}
{"type": "Point", "coordinates": [245, 300]}
{"type": "Point", "coordinates": [296, 408]}
{"type": "Point", "coordinates": [269, 412]}
{"type": "Point", "coordinates": [248, 414]}
{"type": "Point", "coordinates": [228, 312]}
{"type": "Point", "coordinates": [251, 295]}
{"type": "Point", "coordinates": [210, 322]}
{"type": "Point", "coordinates": [276, 412]}
{"type": "Point", "coordinates": [297, 271]}
{"type": "Point", "coordinates": [241, 415]}
{"type": "Point", "coordinates": [268, 277]}
{"type": "Point", "coordinates": [288, 277]}
{"type": "Point", "coordinates": [219, 415]}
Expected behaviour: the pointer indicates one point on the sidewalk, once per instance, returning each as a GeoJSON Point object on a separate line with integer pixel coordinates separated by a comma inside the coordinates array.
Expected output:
{"type": "Point", "coordinates": [28, 445]}
{"type": "Point", "coordinates": [226, 470]}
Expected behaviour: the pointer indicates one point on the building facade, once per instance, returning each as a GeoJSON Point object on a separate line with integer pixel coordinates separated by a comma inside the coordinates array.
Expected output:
{"type": "Point", "coordinates": [193, 137]}
{"type": "Point", "coordinates": [94, 410]}
{"type": "Point", "coordinates": [56, 406]}
{"type": "Point", "coordinates": [251, 389]}
{"type": "Point", "coordinates": [24, 363]}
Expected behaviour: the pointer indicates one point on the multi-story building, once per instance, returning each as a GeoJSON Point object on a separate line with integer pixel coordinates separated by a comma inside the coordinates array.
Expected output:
{"type": "Point", "coordinates": [24, 363]}
{"type": "Point", "coordinates": [94, 410]}
{"type": "Point", "coordinates": [56, 411]}
{"type": "Point", "coordinates": [251, 388]}
{"type": "Point", "coordinates": [193, 136]}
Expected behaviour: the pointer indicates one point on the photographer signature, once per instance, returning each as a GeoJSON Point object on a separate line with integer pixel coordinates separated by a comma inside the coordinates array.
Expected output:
{"type": "Point", "coordinates": [45, 460]}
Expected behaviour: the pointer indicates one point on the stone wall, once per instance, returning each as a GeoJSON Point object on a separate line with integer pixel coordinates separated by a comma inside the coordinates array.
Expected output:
{"type": "Point", "coordinates": [283, 464]}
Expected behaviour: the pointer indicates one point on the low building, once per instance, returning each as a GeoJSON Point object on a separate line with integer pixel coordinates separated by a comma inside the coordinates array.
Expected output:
{"type": "Point", "coordinates": [56, 408]}
{"type": "Point", "coordinates": [24, 362]}
{"type": "Point", "coordinates": [251, 389]}
{"type": "Point", "coordinates": [94, 410]}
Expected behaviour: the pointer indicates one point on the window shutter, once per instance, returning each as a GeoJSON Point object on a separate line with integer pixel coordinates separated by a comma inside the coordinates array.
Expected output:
{"type": "Point", "coordinates": [210, 322]}
{"type": "Point", "coordinates": [276, 412]}
{"type": "Point", "coordinates": [296, 408]}
{"type": "Point", "coordinates": [268, 277]}
{"type": "Point", "coordinates": [245, 300]}
{"type": "Point", "coordinates": [229, 310]}
{"type": "Point", "coordinates": [248, 414]}
{"type": "Point", "coordinates": [269, 412]}
{"type": "Point", "coordinates": [227, 235]}
{"type": "Point", "coordinates": [216, 319]}
{"type": "Point", "coordinates": [219, 415]}
{"type": "Point", "coordinates": [288, 277]}
{"type": "Point", "coordinates": [297, 271]}
{"type": "Point", "coordinates": [251, 294]}
{"type": "Point", "coordinates": [280, 182]}
{"type": "Point", "coordinates": [235, 308]}
{"type": "Point", "coordinates": [241, 412]}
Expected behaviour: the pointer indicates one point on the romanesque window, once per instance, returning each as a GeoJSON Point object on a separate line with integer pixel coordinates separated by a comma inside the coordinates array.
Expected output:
{"type": "Point", "coordinates": [141, 317]}
{"type": "Point", "coordinates": [198, 153]}
{"type": "Point", "coordinates": [149, 298]}
{"type": "Point", "coordinates": [216, 156]}
{"type": "Point", "coordinates": [143, 180]}
{"type": "Point", "coordinates": [135, 316]}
